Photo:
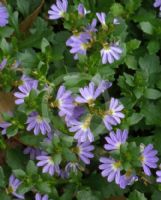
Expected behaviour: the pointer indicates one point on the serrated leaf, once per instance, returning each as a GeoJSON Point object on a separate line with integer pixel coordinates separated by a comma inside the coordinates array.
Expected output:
{"type": "Point", "coordinates": [31, 168]}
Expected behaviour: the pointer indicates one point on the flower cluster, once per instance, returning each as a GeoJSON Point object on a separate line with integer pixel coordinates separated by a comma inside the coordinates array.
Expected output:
{"type": "Point", "coordinates": [114, 169]}
{"type": "Point", "coordinates": [80, 42]}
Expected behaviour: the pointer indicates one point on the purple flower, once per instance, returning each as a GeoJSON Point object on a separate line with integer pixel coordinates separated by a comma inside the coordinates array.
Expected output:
{"type": "Point", "coordinates": [113, 115]}
{"type": "Point", "coordinates": [79, 44]}
{"type": "Point", "coordinates": [71, 167]}
{"type": "Point", "coordinates": [3, 63]}
{"type": "Point", "coordinates": [4, 126]}
{"type": "Point", "coordinates": [78, 111]}
{"type": "Point", "coordinates": [149, 159]}
{"type": "Point", "coordinates": [90, 93]}
{"type": "Point", "coordinates": [39, 197]}
{"type": "Point", "coordinates": [64, 101]}
{"type": "Point", "coordinates": [82, 10]}
{"type": "Point", "coordinates": [25, 90]}
{"type": "Point", "coordinates": [91, 28]}
{"type": "Point", "coordinates": [84, 152]}
{"type": "Point", "coordinates": [4, 15]}
{"type": "Point", "coordinates": [58, 10]}
{"type": "Point", "coordinates": [110, 53]}
{"type": "Point", "coordinates": [33, 152]}
{"type": "Point", "coordinates": [157, 4]}
{"type": "Point", "coordinates": [116, 139]}
{"type": "Point", "coordinates": [158, 173]}
{"type": "Point", "coordinates": [82, 129]}
{"type": "Point", "coordinates": [14, 183]}
{"type": "Point", "coordinates": [48, 165]}
{"type": "Point", "coordinates": [110, 169]}
{"type": "Point", "coordinates": [102, 18]}
{"type": "Point", "coordinates": [38, 124]}
{"type": "Point", "coordinates": [127, 179]}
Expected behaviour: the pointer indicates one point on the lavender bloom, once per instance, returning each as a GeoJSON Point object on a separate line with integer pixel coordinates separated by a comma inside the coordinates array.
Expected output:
{"type": "Point", "coordinates": [116, 139]}
{"type": "Point", "coordinates": [149, 159]}
{"type": "Point", "coordinates": [33, 152]}
{"type": "Point", "coordinates": [82, 129]}
{"type": "Point", "coordinates": [79, 44]}
{"type": "Point", "coordinates": [91, 28]}
{"type": "Point", "coordinates": [90, 93]}
{"type": "Point", "coordinates": [158, 173]}
{"type": "Point", "coordinates": [25, 90]}
{"type": "Point", "coordinates": [39, 124]}
{"type": "Point", "coordinates": [84, 152]}
{"type": "Point", "coordinates": [127, 179]}
{"type": "Point", "coordinates": [71, 167]}
{"type": "Point", "coordinates": [110, 53]}
{"type": "Point", "coordinates": [110, 169]}
{"type": "Point", "coordinates": [114, 114]}
{"type": "Point", "coordinates": [58, 10]}
{"type": "Point", "coordinates": [14, 183]}
{"type": "Point", "coordinates": [82, 10]}
{"type": "Point", "coordinates": [157, 4]}
{"type": "Point", "coordinates": [78, 111]}
{"type": "Point", "coordinates": [39, 197]}
{"type": "Point", "coordinates": [102, 18]}
{"type": "Point", "coordinates": [3, 63]}
{"type": "Point", "coordinates": [64, 101]}
{"type": "Point", "coordinates": [4, 126]}
{"type": "Point", "coordinates": [48, 165]}
{"type": "Point", "coordinates": [4, 15]}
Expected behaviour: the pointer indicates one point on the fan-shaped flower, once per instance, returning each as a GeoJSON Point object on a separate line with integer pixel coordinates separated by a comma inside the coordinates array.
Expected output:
{"type": "Point", "coordinates": [115, 140]}
{"type": "Point", "coordinates": [84, 152]}
{"type": "Point", "coordinates": [79, 44]}
{"type": "Point", "coordinates": [82, 129]}
{"type": "Point", "coordinates": [38, 124]}
{"type": "Point", "coordinates": [149, 159]}
{"type": "Point", "coordinates": [110, 53]}
{"type": "Point", "coordinates": [102, 18]}
{"type": "Point", "coordinates": [110, 169]}
{"type": "Point", "coordinates": [113, 115]}
{"type": "Point", "coordinates": [58, 10]}
{"type": "Point", "coordinates": [39, 197]}
{"type": "Point", "coordinates": [14, 183]}
{"type": "Point", "coordinates": [48, 165]}
{"type": "Point", "coordinates": [64, 102]}
{"type": "Point", "coordinates": [25, 90]}
{"type": "Point", "coordinates": [4, 15]}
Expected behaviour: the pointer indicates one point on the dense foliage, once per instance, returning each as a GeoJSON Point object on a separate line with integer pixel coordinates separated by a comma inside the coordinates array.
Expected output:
{"type": "Point", "coordinates": [80, 99]}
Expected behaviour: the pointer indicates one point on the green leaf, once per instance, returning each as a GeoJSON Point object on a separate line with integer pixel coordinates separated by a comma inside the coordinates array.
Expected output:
{"type": "Point", "coordinates": [88, 195]}
{"type": "Point", "coordinates": [19, 173]}
{"type": "Point", "coordinates": [131, 62]}
{"type": "Point", "coordinates": [133, 44]}
{"type": "Point", "coordinates": [44, 187]}
{"type": "Point", "coordinates": [147, 27]}
{"type": "Point", "coordinates": [44, 44]}
{"type": "Point", "coordinates": [132, 5]}
{"type": "Point", "coordinates": [31, 168]}
{"type": "Point", "coordinates": [153, 46]}
{"type": "Point", "coordinates": [152, 93]}
{"type": "Point", "coordinates": [135, 118]}
{"type": "Point", "coordinates": [23, 7]}
{"type": "Point", "coordinates": [117, 9]}
{"type": "Point", "coordinates": [15, 159]}
{"type": "Point", "coordinates": [150, 64]}
{"type": "Point", "coordinates": [136, 195]}
{"type": "Point", "coordinates": [2, 176]}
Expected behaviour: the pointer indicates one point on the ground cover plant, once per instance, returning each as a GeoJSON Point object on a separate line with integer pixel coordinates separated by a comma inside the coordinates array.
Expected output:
{"type": "Point", "coordinates": [80, 100]}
